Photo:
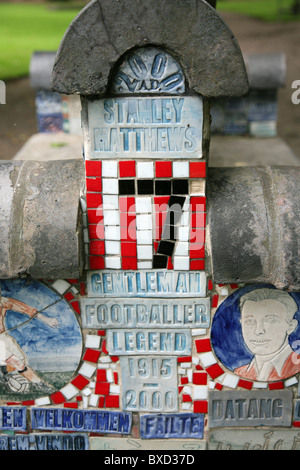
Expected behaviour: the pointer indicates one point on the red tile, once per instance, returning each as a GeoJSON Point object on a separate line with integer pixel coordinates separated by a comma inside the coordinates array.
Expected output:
{"type": "Point", "coordinates": [186, 398]}
{"type": "Point", "coordinates": [101, 403]}
{"type": "Point", "coordinates": [210, 285]}
{"type": "Point", "coordinates": [76, 306]}
{"type": "Point", "coordinates": [197, 169]}
{"type": "Point", "coordinates": [245, 384]}
{"type": "Point", "coordinates": [128, 249]}
{"type": "Point", "coordinates": [97, 262]}
{"type": "Point", "coordinates": [93, 168]}
{"type": "Point", "coordinates": [95, 215]}
{"type": "Point", "coordinates": [200, 378]}
{"type": "Point", "coordinates": [127, 204]}
{"type": "Point", "coordinates": [102, 388]}
{"type": "Point", "coordinates": [101, 332]}
{"type": "Point", "coordinates": [91, 355]}
{"type": "Point", "coordinates": [101, 375]}
{"type": "Point", "coordinates": [197, 265]}
{"type": "Point", "coordinates": [116, 378]}
{"type": "Point", "coordinates": [128, 233]}
{"type": "Point", "coordinates": [197, 235]}
{"type": "Point", "coordinates": [184, 359]}
{"type": "Point", "coordinates": [203, 345]}
{"type": "Point", "coordinates": [184, 380]}
{"type": "Point", "coordinates": [163, 169]}
{"type": "Point", "coordinates": [69, 296]}
{"type": "Point", "coordinates": [57, 398]}
{"type": "Point", "coordinates": [71, 405]}
{"type": "Point", "coordinates": [94, 184]}
{"type": "Point", "coordinates": [198, 204]}
{"type": "Point", "coordinates": [129, 263]}
{"type": "Point", "coordinates": [276, 386]}
{"type": "Point", "coordinates": [97, 247]}
{"type": "Point", "coordinates": [128, 220]}
{"type": "Point", "coordinates": [214, 371]}
{"type": "Point", "coordinates": [127, 169]}
{"type": "Point", "coordinates": [197, 251]}
{"type": "Point", "coordinates": [198, 220]}
{"type": "Point", "coordinates": [219, 386]}
{"type": "Point", "coordinates": [32, 402]}
{"type": "Point", "coordinates": [103, 348]}
{"type": "Point", "coordinates": [94, 200]}
{"type": "Point", "coordinates": [96, 232]}
{"type": "Point", "coordinates": [215, 300]}
{"type": "Point", "coordinates": [200, 406]}
{"type": "Point", "coordinates": [112, 401]}
{"type": "Point", "coordinates": [80, 382]}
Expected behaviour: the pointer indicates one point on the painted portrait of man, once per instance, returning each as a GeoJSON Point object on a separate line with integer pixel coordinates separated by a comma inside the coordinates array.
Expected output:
{"type": "Point", "coordinates": [254, 331]}
{"type": "Point", "coordinates": [267, 319]}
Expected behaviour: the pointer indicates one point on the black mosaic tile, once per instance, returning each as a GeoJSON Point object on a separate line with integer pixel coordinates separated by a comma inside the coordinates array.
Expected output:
{"type": "Point", "coordinates": [145, 187]}
{"type": "Point", "coordinates": [166, 248]}
{"type": "Point", "coordinates": [160, 261]}
{"type": "Point", "coordinates": [180, 186]}
{"type": "Point", "coordinates": [126, 187]}
{"type": "Point", "coordinates": [163, 187]}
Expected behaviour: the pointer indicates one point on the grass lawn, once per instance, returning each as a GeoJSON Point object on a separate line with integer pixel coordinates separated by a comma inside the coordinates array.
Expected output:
{"type": "Point", "coordinates": [25, 28]}
{"type": "Point", "coordinates": [267, 10]}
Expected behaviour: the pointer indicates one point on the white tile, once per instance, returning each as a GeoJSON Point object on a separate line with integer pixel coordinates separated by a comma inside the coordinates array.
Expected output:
{"type": "Point", "coordinates": [111, 217]}
{"type": "Point", "coordinates": [61, 286]}
{"type": "Point", "coordinates": [69, 391]}
{"type": "Point", "coordinates": [190, 375]}
{"type": "Point", "coordinates": [200, 392]}
{"type": "Point", "coordinates": [187, 390]}
{"type": "Point", "coordinates": [144, 221]}
{"type": "Point", "coordinates": [112, 232]}
{"type": "Point", "coordinates": [186, 406]}
{"type": "Point", "coordinates": [85, 402]}
{"type": "Point", "coordinates": [110, 376]}
{"type": "Point", "coordinates": [110, 168]}
{"type": "Point", "coordinates": [105, 359]}
{"type": "Point", "coordinates": [110, 186]}
{"type": "Point", "coordinates": [92, 341]}
{"type": "Point", "coordinates": [185, 219]}
{"type": "Point", "coordinates": [144, 252]}
{"type": "Point", "coordinates": [43, 401]}
{"type": "Point", "coordinates": [181, 249]}
{"type": "Point", "coordinates": [183, 234]}
{"type": "Point", "coordinates": [114, 389]}
{"type": "Point", "coordinates": [207, 359]}
{"type": "Point", "coordinates": [144, 264]}
{"type": "Point", "coordinates": [112, 262]}
{"type": "Point", "coordinates": [290, 382]}
{"type": "Point", "coordinates": [144, 237]}
{"type": "Point", "coordinates": [86, 392]}
{"type": "Point", "coordinates": [181, 169]}
{"type": "Point", "coordinates": [93, 400]}
{"type": "Point", "coordinates": [198, 331]}
{"type": "Point", "coordinates": [260, 385]}
{"type": "Point", "coordinates": [110, 202]}
{"type": "Point", "coordinates": [112, 247]}
{"type": "Point", "coordinates": [145, 170]}
{"type": "Point", "coordinates": [197, 187]}
{"type": "Point", "coordinates": [87, 370]}
{"type": "Point", "coordinates": [181, 263]}
{"type": "Point", "coordinates": [143, 205]}
{"type": "Point", "coordinates": [230, 380]}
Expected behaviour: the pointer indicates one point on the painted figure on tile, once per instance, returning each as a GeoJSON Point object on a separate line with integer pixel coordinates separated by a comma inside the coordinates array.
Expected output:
{"type": "Point", "coordinates": [256, 332]}
{"type": "Point", "coordinates": [267, 319]}
{"type": "Point", "coordinates": [13, 360]}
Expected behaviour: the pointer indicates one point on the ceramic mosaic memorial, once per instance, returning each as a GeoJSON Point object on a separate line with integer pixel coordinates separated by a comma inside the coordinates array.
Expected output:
{"type": "Point", "coordinates": [145, 350]}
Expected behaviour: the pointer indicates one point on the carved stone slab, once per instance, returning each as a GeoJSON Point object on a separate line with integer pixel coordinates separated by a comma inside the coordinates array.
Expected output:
{"type": "Point", "coordinates": [149, 383]}
{"type": "Point", "coordinates": [45, 442]}
{"type": "Point", "coordinates": [152, 127]}
{"type": "Point", "coordinates": [255, 408]}
{"type": "Point", "coordinates": [149, 342]}
{"type": "Point", "coordinates": [254, 439]}
{"type": "Point", "coordinates": [146, 284]}
{"type": "Point", "coordinates": [176, 426]}
{"type": "Point", "coordinates": [145, 313]}
{"type": "Point", "coordinates": [58, 419]}
{"type": "Point", "coordinates": [106, 443]}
